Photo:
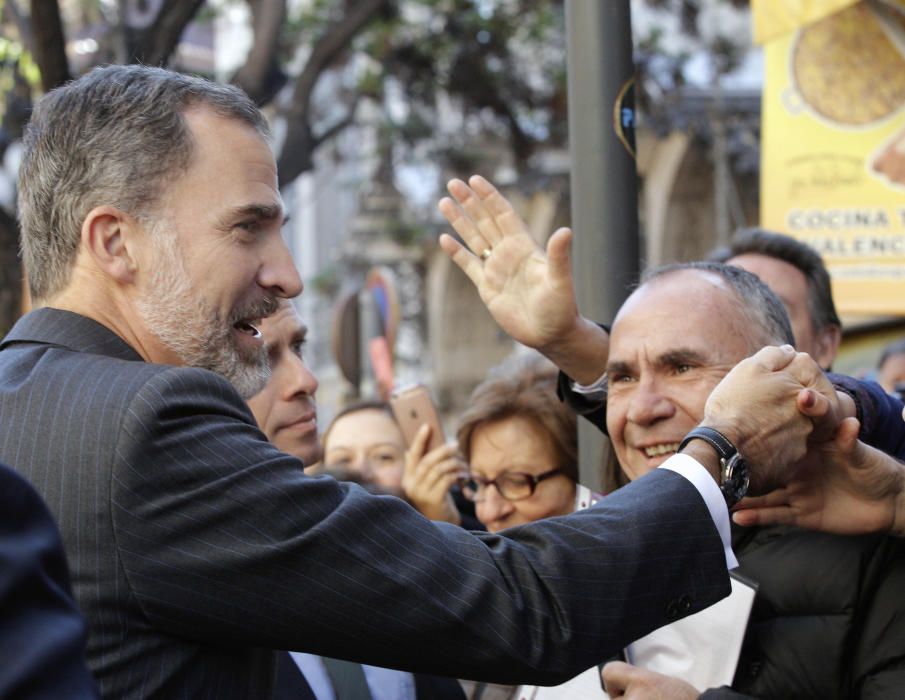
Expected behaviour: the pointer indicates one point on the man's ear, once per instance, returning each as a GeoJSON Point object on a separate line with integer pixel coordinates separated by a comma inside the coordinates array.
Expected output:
{"type": "Point", "coordinates": [828, 339]}
{"type": "Point", "coordinates": [109, 237]}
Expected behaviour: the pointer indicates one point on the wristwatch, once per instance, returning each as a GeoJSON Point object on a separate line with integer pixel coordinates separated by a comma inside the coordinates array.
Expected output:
{"type": "Point", "coordinates": [734, 471]}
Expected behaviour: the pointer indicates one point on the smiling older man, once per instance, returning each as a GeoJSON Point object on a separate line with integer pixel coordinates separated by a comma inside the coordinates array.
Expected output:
{"type": "Point", "coordinates": [820, 627]}
{"type": "Point", "coordinates": [672, 342]}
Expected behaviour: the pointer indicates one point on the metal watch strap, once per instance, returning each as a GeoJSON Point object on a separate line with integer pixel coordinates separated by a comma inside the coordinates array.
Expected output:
{"type": "Point", "coordinates": [723, 446]}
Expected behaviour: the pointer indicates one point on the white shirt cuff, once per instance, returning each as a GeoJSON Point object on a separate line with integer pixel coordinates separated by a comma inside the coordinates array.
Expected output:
{"type": "Point", "coordinates": [598, 386]}
{"type": "Point", "coordinates": [701, 479]}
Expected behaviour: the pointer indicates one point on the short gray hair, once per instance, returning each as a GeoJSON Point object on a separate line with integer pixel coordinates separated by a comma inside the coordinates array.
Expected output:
{"type": "Point", "coordinates": [758, 302]}
{"type": "Point", "coordinates": [114, 136]}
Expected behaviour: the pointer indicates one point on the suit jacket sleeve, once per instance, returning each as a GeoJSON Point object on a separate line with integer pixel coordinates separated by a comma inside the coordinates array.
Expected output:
{"type": "Point", "coordinates": [879, 413]}
{"type": "Point", "coordinates": [223, 538]}
{"type": "Point", "coordinates": [42, 635]}
{"type": "Point", "coordinates": [592, 408]}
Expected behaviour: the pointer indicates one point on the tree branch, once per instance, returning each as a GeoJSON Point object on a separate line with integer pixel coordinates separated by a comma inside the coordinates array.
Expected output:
{"type": "Point", "coordinates": [329, 48]}
{"type": "Point", "coordinates": [49, 43]}
{"type": "Point", "coordinates": [297, 154]}
{"type": "Point", "coordinates": [261, 76]}
{"type": "Point", "coordinates": [155, 45]}
{"type": "Point", "coordinates": [12, 13]}
{"type": "Point", "coordinates": [338, 125]}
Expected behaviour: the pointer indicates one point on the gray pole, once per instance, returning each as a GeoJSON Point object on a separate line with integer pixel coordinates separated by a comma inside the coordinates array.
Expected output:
{"type": "Point", "coordinates": [603, 183]}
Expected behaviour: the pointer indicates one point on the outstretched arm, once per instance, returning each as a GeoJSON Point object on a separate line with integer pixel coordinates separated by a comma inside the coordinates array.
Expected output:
{"type": "Point", "coordinates": [529, 292]}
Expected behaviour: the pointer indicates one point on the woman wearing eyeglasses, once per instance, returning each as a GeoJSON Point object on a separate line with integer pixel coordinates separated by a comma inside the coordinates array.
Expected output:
{"type": "Point", "coordinates": [521, 444]}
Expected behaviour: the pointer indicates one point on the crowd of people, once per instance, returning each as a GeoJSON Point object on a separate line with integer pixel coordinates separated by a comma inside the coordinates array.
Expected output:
{"type": "Point", "coordinates": [158, 401]}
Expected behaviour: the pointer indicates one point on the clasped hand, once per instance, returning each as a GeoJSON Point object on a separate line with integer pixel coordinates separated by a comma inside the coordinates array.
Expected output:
{"type": "Point", "coordinates": [775, 406]}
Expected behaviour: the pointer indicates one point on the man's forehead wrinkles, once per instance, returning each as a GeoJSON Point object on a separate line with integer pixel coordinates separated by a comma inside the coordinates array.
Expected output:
{"type": "Point", "coordinates": [667, 358]}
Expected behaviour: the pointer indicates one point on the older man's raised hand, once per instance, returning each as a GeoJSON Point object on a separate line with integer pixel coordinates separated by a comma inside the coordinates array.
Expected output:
{"type": "Point", "coordinates": [529, 292]}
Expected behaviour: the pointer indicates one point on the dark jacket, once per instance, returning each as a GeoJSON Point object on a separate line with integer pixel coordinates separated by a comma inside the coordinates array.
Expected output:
{"type": "Point", "coordinates": [42, 634]}
{"type": "Point", "coordinates": [829, 617]}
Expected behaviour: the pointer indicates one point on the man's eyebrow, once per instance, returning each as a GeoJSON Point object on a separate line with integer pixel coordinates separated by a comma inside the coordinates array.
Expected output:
{"type": "Point", "coordinates": [261, 212]}
{"type": "Point", "coordinates": [300, 335]}
{"type": "Point", "coordinates": [618, 367]}
{"type": "Point", "coordinates": [671, 358]}
{"type": "Point", "coordinates": [682, 356]}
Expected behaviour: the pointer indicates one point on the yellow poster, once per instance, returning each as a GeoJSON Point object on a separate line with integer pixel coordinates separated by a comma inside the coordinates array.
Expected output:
{"type": "Point", "coordinates": [773, 18]}
{"type": "Point", "coordinates": [833, 149]}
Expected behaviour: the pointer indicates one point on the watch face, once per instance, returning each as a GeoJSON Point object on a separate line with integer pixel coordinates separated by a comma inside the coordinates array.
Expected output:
{"type": "Point", "coordinates": [736, 475]}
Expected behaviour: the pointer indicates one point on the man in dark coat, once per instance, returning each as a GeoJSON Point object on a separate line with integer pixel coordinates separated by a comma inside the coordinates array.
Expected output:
{"type": "Point", "coordinates": [151, 232]}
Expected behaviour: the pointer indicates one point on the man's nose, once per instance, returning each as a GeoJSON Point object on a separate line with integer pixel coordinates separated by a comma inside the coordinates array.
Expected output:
{"type": "Point", "coordinates": [649, 404]}
{"type": "Point", "coordinates": [302, 380]}
{"type": "Point", "coordinates": [277, 272]}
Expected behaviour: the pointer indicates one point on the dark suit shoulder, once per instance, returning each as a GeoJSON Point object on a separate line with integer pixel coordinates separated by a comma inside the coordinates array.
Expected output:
{"type": "Point", "coordinates": [42, 627]}
{"type": "Point", "coordinates": [192, 419]}
{"type": "Point", "coordinates": [168, 390]}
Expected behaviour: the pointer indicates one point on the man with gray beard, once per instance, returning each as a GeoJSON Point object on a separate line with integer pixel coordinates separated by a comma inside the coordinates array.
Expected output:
{"type": "Point", "coordinates": [151, 233]}
{"type": "Point", "coordinates": [180, 318]}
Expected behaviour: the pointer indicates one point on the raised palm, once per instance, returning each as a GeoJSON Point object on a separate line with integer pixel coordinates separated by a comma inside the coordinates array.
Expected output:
{"type": "Point", "coordinates": [527, 291]}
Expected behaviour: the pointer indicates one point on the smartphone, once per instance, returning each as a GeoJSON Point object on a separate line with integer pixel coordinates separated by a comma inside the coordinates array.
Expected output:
{"type": "Point", "coordinates": [584, 497]}
{"type": "Point", "coordinates": [413, 407]}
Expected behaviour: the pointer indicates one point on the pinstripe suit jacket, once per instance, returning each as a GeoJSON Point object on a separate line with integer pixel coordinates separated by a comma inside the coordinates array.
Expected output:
{"type": "Point", "coordinates": [196, 546]}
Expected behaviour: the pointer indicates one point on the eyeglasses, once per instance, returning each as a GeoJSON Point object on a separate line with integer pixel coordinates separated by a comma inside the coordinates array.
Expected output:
{"type": "Point", "coordinates": [513, 486]}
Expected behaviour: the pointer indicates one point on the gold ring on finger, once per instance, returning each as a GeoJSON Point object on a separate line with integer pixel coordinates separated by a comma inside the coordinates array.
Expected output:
{"type": "Point", "coordinates": [485, 254]}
